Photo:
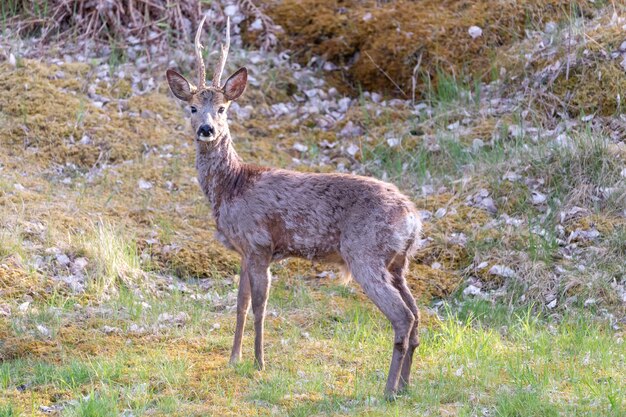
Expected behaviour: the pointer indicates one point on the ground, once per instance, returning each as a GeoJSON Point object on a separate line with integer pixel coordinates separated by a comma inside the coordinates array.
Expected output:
{"type": "Point", "coordinates": [115, 298]}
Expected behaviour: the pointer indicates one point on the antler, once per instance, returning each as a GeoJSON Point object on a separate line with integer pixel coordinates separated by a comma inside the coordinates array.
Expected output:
{"type": "Point", "coordinates": [199, 60]}
{"type": "Point", "coordinates": [219, 69]}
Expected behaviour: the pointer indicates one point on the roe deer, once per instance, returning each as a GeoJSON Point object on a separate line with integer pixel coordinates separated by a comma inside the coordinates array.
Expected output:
{"type": "Point", "coordinates": [268, 214]}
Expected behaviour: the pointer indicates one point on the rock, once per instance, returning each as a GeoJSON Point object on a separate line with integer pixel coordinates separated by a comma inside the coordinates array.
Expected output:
{"type": "Point", "coordinates": [12, 60]}
{"type": "Point", "coordinates": [488, 204]}
{"type": "Point", "coordinates": [79, 265]}
{"type": "Point", "coordinates": [538, 198]}
{"type": "Point", "coordinates": [111, 330]}
{"type": "Point", "coordinates": [63, 259]}
{"type": "Point", "coordinates": [475, 32]}
{"type": "Point", "coordinates": [352, 149]}
{"type": "Point", "coordinates": [550, 27]}
{"type": "Point", "coordinates": [43, 330]}
{"type": "Point", "coordinates": [551, 304]}
{"type": "Point", "coordinates": [393, 142]}
{"type": "Point", "coordinates": [300, 147]}
{"type": "Point", "coordinates": [144, 185]}
{"type": "Point", "coordinates": [350, 130]}
{"type": "Point", "coordinates": [24, 306]}
{"type": "Point", "coordinates": [471, 290]}
{"type": "Point", "coordinates": [502, 271]}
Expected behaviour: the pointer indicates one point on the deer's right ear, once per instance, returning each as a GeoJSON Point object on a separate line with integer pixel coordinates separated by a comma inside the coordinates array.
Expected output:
{"type": "Point", "coordinates": [179, 85]}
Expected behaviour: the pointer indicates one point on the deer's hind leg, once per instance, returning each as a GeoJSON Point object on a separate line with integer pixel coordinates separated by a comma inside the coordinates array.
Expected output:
{"type": "Point", "coordinates": [397, 268]}
{"type": "Point", "coordinates": [376, 281]}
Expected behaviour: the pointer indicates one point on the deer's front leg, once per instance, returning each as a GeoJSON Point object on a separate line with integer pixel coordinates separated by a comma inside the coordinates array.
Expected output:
{"type": "Point", "coordinates": [243, 303]}
{"type": "Point", "coordinates": [259, 274]}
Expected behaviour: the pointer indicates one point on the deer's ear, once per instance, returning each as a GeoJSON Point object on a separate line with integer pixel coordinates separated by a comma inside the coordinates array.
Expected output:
{"type": "Point", "coordinates": [236, 84]}
{"type": "Point", "coordinates": [179, 85]}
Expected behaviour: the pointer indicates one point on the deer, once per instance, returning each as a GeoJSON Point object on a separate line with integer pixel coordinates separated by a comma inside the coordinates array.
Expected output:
{"type": "Point", "coordinates": [265, 214]}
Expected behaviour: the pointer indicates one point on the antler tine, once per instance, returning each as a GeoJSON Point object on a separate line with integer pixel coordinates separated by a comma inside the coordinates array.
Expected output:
{"type": "Point", "coordinates": [219, 69]}
{"type": "Point", "coordinates": [199, 60]}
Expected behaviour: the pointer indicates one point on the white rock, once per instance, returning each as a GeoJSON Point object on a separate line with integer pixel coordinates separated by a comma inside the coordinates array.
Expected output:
{"type": "Point", "coordinates": [622, 47]}
{"type": "Point", "coordinates": [24, 306]}
{"type": "Point", "coordinates": [393, 142]}
{"type": "Point", "coordinates": [471, 290]}
{"type": "Point", "coordinates": [488, 204]}
{"type": "Point", "coordinates": [623, 173]}
{"type": "Point", "coordinates": [19, 187]}
{"type": "Point", "coordinates": [231, 10]}
{"type": "Point", "coordinates": [63, 259]}
{"type": "Point", "coordinates": [256, 25]}
{"type": "Point", "coordinates": [111, 330]}
{"type": "Point", "coordinates": [300, 147]}
{"type": "Point", "coordinates": [352, 149]}
{"type": "Point", "coordinates": [538, 198]}
{"type": "Point", "coordinates": [552, 304]}
{"type": "Point", "coordinates": [144, 185]}
{"type": "Point", "coordinates": [441, 212]}
{"type": "Point", "coordinates": [367, 17]}
{"type": "Point", "coordinates": [459, 372]}
{"type": "Point", "coordinates": [43, 330]}
{"type": "Point", "coordinates": [550, 27]}
{"type": "Point", "coordinates": [502, 271]}
{"type": "Point", "coordinates": [590, 302]}
{"type": "Point", "coordinates": [475, 32]}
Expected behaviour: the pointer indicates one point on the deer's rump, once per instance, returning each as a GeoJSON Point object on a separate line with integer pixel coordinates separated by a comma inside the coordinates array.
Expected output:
{"type": "Point", "coordinates": [318, 216]}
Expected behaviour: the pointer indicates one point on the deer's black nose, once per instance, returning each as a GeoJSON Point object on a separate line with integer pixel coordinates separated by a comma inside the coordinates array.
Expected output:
{"type": "Point", "coordinates": [206, 130]}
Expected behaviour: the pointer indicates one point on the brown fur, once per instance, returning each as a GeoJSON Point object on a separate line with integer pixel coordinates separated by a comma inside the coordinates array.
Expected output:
{"type": "Point", "coordinates": [267, 214]}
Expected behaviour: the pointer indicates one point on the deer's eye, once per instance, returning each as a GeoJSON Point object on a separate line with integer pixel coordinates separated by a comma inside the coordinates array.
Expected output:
{"type": "Point", "coordinates": [221, 110]}
{"type": "Point", "coordinates": [193, 109]}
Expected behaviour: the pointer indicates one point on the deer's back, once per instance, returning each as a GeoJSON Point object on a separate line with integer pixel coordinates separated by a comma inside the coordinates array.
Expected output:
{"type": "Point", "coordinates": [313, 215]}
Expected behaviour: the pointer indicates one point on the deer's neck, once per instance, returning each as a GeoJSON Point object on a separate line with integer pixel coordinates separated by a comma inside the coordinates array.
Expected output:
{"type": "Point", "coordinates": [220, 170]}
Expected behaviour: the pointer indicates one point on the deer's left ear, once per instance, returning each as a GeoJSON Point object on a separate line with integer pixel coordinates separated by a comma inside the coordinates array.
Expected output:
{"type": "Point", "coordinates": [236, 84]}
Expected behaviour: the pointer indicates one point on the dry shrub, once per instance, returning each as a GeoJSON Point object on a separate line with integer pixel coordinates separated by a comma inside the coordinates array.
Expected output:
{"type": "Point", "coordinates": [146, 20]}
{"type": "Point", "coordinates": [382, 43]}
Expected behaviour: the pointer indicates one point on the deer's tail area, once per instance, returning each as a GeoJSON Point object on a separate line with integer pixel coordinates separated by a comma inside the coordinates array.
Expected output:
{"type": "Point", "coordinates": [414, 223]}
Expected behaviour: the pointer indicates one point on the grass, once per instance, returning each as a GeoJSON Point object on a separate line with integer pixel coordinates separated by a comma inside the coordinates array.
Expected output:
{"type": "Point", "coordinates": [479, 358]}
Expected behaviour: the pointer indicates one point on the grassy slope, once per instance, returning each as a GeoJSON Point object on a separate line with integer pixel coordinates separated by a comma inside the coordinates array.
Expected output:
{"type": "Point", "coordinates": [328, 348]}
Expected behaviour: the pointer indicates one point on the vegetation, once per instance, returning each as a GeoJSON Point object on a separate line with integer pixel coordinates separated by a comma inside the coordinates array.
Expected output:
{"type": "Point", "coordinates": [115, 299]}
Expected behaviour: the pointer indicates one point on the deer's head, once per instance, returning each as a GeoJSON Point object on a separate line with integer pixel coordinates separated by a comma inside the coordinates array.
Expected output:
{"type": "Point", "coordinates": [209, 104]}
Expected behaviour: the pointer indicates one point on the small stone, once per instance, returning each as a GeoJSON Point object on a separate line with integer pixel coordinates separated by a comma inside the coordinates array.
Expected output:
{"type": "Point", "coordinates": [502, 271]}
{"type": "Point", "coordinates": [538, 198]}
{"type": "Point", "coordinates": [12, 60]}
{"type": "Point", "coordinates": [352, 149]}
{"type": "Point", "coordinates": [622, 47]}
{"type": "Point", "coordinates": [552, 304]}
{"type": "Point", "coordinates": [488, 204]}
{"type": "Point", "coordinates": [475, 32]}
{"type": "Point", "coordinates": [471, 290]}
{"type": "Point", "coordinates": [111, 330]}
{"type": "Point", "coordinates": [43, 330]}
{"type": "Point", "coordinates": [24, 306]}
{"type": "Point", "coordinates": [144, 185]}
{"type": "Point", "coordinates": [393, 142]}
{"type": "Point", "coordinates": [550, 27]}
{"type": "Point", "coordinates": [441, 212]}
{"type": "Point", "coordinates": [300, 147]}
{"type": "Point", "coordinates": [63, 259]}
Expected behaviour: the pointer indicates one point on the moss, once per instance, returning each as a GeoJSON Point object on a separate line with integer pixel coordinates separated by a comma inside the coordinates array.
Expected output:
{"type": "Point", "coordinates": [426, 282]}
{"type": "Point", "coordinates": [593, 89]}
{"type": "Point", "coordinates": [379, 43]}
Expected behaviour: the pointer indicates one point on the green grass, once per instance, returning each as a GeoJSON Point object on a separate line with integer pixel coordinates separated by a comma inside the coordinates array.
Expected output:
{"type": "Point", "coordinates": [481, 356]}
